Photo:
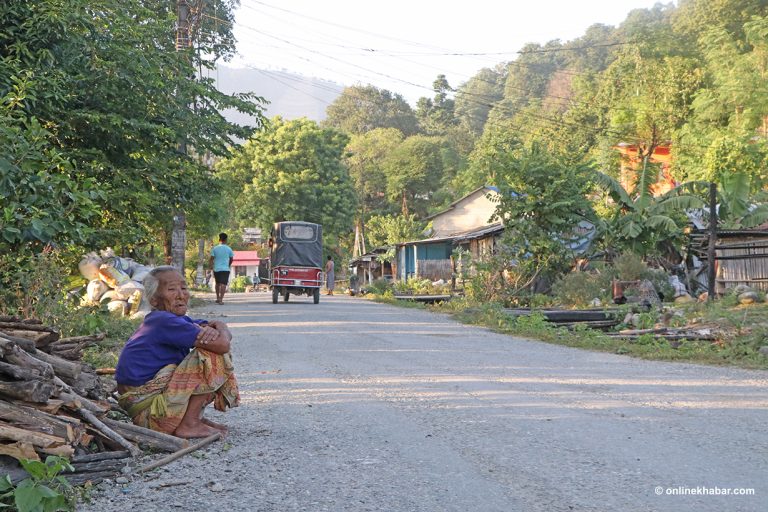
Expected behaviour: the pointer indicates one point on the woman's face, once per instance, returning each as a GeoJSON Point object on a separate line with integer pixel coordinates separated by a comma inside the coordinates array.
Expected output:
{"type": "Point", "coordinates": [172, 294]}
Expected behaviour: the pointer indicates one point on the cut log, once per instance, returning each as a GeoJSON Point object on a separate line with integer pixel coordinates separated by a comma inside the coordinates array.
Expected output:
{"type": "Point", "coordinates": [74, 401]}
{"type": "Point", "coordinates": [18, 373]}
{"type": "Point", "coordinates": [40, 338]}
{"type": "Point", "coordinates": [36, 390]}
{"type": "Point", "coordinates": [31, 418]}
{"type": "Point", "coordinates": [76, 354]}
{"type": "Point", "coordinates": [62, 347]}
{"type": "Point", "coordinates": [52, 406]}
{"type": "Point", "coordinates": [11, 353]}
{"type": "Point", "coordinates": [19, 451]}
{"type": "Point", "coordinates": [88, 383]}
{"type": "Point", "coordinates": [26, 436]}
{"type": "Point", "coordinates": [80, 339]}
{"type": "Point", "coordinates": [99, 465]}
{"type": "Point", "coordinates": [25, 326]}
{"type": "Point", "coordinates": [147, 437]}
{"type": "Point", "coordinates": [68, 371]}
{"type": "Point", "coordinates": [62, 451]}
{"type": "Point", "coordinates": [108, 432]}
{"type": "Point", "coordinates": [25, 343]}
{"type": "Point", "coordinates": [93, 457]}
{"type": "Point", "coordinates": [105, 371]}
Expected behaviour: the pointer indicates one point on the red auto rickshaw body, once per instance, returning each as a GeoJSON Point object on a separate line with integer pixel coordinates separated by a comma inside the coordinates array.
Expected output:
{"type": "Point", "coordinates": [296, 254]}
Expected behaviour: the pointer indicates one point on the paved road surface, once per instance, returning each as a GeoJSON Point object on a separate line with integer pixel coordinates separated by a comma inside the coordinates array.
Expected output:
{"type": "Point", "coordinates": [354, 406]}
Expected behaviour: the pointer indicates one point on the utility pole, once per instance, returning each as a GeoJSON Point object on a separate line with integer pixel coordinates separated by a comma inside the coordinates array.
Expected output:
{"type": "Point", "coordinates": [711, 251]}
{"type": "Point", "coordinates": [179, 232]}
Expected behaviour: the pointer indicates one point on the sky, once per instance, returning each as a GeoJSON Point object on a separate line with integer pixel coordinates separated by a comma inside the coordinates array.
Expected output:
{"type": "Point", "coordinates": [402, 45]}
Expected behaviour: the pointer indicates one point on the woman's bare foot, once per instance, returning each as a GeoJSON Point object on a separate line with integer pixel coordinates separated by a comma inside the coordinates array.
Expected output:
{"type": "Point", "coordinates": [195, 431]}
{"type": "Point", "coordinates": [218, 426]}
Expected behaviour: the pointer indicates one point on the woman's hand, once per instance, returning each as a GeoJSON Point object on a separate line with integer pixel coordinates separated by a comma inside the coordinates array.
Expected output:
{"type": "Point", "coordinates": [207, 334]}
{"type": "Point", "coordinates": [222, 328]}
{"type": "Point", "coordinates": [214, 337]}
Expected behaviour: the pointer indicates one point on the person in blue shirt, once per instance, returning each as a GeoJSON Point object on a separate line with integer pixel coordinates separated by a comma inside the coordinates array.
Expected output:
{"type": "Point", "coordinates": [172, 367]}
{"type": "Point", "coordinates": [221, 260]}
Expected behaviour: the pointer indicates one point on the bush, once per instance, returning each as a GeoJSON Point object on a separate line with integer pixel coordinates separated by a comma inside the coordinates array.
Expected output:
{"type": "Point", "coordinates": [379, 287]}
{"type": "Point", "coordinates": [629, 267]}
{"type": "Point", "coordinates": [578, 289]}
{"type": "Point", "coordinates": [239, 283]}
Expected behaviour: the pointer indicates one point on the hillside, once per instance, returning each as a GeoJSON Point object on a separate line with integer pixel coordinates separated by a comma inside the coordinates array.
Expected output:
{"type": "Point", "coordinates": [290, 95]}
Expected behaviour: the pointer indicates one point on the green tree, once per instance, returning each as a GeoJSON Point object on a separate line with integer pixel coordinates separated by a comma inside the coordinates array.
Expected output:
{"type": "Point", "coordinates": [365, 157]}
{"type": "Point", "coordinates": [392, 229]}
{"type": "Point", "coordinates": [476, 97]}
{"type": "Point", "coordinates": [106, 81]}
{"type": "Point", "coordinates": [360, 109]}
{"type": "Point", "coordinates": [648, 99]}
{"type": "Point", "coordinates": [413, 171]}
{"type": "Point", "coordinates": [488, 161]}
{"type": "Point", "coordinates": [294, 171]}
{"type": "Point", "coordinates": [436, 115]}
{"type": "Point", "coordinates": [542, 200]}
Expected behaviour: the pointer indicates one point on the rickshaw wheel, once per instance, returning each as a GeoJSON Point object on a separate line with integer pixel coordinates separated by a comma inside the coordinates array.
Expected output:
{"type": "Point", "coordinates": [274, 295]}
{"type": "Point", "coordinates": [286, 295]}
{"type": "Point", "coordinates": [316, 296]}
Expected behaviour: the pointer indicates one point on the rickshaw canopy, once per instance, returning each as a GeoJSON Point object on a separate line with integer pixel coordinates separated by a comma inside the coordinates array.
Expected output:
{"type": "Point", "coordinates": [297, 243]}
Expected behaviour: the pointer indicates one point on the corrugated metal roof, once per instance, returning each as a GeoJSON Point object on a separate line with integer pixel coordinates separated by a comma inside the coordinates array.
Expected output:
{"type": "Point", "coordinates": [461, 235]}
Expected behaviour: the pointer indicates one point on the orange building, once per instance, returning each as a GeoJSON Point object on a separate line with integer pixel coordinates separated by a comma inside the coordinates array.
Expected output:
{"type": "Point", "coordinates": [632, 163]}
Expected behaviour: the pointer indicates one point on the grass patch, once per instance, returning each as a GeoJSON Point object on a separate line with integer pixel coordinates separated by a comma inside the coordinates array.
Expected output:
{"type": "Point", "coordinates": [388, 298]}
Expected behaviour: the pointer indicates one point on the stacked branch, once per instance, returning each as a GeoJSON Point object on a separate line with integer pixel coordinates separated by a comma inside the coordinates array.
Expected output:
{"type": "Point", "coordinates": [52, 405]}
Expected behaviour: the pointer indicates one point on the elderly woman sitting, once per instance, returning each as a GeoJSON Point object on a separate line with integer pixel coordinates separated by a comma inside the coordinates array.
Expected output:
{"type": "Point", "coordinates": [172, 367]}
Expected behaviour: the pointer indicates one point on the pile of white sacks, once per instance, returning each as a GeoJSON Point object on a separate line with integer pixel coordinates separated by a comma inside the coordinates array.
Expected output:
{"type": "Point", "coordinates": [116, 281]}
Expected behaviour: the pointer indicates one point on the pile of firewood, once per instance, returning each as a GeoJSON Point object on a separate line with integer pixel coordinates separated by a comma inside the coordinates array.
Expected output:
{"type": "Point", "coordinates": [51, 403]}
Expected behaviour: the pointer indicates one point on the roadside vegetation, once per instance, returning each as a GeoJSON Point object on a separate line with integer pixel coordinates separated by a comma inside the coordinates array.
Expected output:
{"type": "Point", "coordinates": [738, 330]}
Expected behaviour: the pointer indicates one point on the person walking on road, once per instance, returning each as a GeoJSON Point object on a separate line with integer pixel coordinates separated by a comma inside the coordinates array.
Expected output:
{"type": "Point", "coordinates": [329, 277]}
{"type": "Point", "coordinates": [220, 261]}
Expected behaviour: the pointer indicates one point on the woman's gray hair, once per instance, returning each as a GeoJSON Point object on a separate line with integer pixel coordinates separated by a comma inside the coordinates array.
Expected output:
{"type": "Point", "coordinates": [152, 282]}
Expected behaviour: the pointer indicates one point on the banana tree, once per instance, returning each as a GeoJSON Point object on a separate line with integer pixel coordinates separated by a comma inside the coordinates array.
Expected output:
{"type": "Point", "coordinates": [640, 222]}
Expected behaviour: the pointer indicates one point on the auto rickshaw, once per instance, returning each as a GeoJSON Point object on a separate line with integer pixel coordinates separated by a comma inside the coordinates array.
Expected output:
{"type": "Point", "coordinates": [296, 260]}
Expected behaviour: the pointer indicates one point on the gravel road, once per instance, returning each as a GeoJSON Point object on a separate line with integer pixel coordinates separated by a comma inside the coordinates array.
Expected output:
{"type": "Point", "coordinates": [355, 406]}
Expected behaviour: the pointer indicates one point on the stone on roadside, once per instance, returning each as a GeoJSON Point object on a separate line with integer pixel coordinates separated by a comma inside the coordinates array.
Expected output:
{"type": "Point", "coordinates": [684, 299]}
{"type": "Point", "coordinates": [748, 298]}
{"type": "Point", "coordinates": [763, 350]}
{"type": "Point", "coordinates": [741, 288]}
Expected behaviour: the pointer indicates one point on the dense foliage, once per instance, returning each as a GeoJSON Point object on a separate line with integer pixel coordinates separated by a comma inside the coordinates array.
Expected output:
{"type": "Point", "coordinates": [96, 105]}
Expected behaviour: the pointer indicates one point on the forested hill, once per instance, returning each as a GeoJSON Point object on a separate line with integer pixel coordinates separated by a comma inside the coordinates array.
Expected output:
{"type": "Point", "coordinates": [290, 95]}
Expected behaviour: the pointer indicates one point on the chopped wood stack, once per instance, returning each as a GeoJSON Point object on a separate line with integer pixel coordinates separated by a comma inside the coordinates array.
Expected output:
{"type": "Point", "coordinates": [51, 403]}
